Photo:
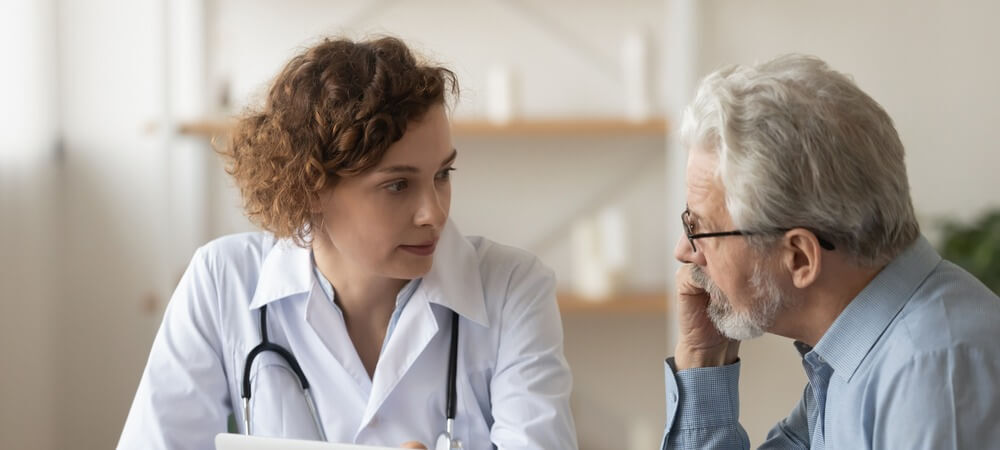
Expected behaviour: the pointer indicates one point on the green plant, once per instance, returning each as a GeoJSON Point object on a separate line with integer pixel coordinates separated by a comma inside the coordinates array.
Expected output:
{"type": "Point", "coordinates": [975, 247]}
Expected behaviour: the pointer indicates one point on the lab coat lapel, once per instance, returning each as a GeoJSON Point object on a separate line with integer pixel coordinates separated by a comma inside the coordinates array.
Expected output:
{"type": "Point", "coordinates": [453, 282]}
{"type": "Point", "coordinates": [328, 325]}
{"type": "Point", "coordinates": [416, 328]}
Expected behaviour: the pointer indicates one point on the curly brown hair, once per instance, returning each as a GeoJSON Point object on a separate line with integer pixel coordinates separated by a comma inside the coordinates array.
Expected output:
{"type": "Point", "coordinates": [331, 112]}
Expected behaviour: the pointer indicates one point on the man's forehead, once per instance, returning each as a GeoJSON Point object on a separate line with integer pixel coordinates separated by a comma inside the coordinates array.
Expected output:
{"type": "Point", "coordinates": [704, 191]}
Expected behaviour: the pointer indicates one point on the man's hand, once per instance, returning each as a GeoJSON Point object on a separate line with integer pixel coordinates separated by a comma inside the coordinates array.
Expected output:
{"type": "Point", "coordinates": [699, 343]}
{"type": "Point", "coordinates": [413, 444]}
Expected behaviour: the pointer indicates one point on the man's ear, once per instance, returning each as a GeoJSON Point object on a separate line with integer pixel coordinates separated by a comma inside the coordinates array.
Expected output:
{"type": "Point", "coordinates": [802, 256]}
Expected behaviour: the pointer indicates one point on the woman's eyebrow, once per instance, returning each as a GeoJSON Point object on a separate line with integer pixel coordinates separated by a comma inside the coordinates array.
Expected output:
{"type": "Point", "coordinates": [451, 158]}
{"type": "Point", "coordinates": [412, 169]}
{"type": "Point", "coordinates": [398, 169]}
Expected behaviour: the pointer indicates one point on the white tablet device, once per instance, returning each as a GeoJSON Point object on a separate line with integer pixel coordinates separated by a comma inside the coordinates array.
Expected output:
{"type": "Point", "coordinates": [229, 441]}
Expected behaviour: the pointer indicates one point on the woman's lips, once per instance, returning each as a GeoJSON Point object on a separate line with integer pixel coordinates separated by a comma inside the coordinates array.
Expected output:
{"type": "Point", "coordinates": [422, 250]}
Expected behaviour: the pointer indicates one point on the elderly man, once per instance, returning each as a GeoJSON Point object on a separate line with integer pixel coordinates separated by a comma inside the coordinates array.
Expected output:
{"type": "Point", "coordinates": [799, 223]}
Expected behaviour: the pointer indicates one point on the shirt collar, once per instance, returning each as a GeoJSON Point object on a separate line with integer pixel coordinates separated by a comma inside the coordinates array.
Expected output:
{"type": "Point", "coordinates": [454, 280]}
{"type": "Point", "coordinates": [856, 330]}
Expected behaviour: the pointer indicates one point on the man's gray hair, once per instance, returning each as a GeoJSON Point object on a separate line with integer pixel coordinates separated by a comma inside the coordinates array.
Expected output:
{"type": "Point", "coordinates": [800, 145]}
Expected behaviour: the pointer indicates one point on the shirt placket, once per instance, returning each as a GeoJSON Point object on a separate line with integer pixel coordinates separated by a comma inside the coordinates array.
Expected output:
{"type": "Point", "coordinates": [818, 372]}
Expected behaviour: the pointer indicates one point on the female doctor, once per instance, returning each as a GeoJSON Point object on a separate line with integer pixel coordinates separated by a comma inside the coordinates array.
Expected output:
{"type": "Point", "coordinates": [359, 281]}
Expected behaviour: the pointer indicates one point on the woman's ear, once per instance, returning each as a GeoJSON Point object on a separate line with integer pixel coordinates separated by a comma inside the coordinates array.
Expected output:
{"type": "Point", "coordinates": [317, 201]}
{"type": "Point", "coordinates": [802, 256]}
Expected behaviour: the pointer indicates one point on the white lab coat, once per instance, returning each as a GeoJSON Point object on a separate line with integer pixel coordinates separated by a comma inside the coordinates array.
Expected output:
{"type": "Point", "coordinates": [513, 380]}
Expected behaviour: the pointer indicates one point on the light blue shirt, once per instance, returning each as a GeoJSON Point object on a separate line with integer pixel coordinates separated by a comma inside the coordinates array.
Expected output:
{"type": "Point", "coordinates": [912, 362]}
{"type": "Point", "coordinates": [401, 300]}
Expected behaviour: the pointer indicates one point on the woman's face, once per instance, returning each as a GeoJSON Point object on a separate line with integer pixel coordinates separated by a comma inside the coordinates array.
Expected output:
{"type": "Point", "coordinates": [387, 220]}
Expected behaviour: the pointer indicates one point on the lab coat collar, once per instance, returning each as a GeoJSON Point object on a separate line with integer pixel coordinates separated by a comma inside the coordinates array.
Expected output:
{"type": "Point", "coordinates": [286, 272]}
{"type": "Point", "coordinates": [454, 280]}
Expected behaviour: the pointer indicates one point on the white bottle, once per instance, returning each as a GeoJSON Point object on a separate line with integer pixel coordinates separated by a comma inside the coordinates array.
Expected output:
{"type": "Point", "coordinates": [635, 75]}
{"type": "Point", "coordinates": [500, 94]}
{"type": "Point", "coordinates": [590, 281]}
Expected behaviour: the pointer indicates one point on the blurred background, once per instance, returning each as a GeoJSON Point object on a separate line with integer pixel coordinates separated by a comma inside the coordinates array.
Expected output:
{"type": "Point", "coordinates": [566, 131]}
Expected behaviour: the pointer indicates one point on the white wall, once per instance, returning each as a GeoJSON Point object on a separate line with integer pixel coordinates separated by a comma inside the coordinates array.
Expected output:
{"type": "Point", "coordinates": [112, 217]}
{"type": "Point", "coordinates": [28, 235]}
{"type": "Point", "coordinates": [28, 273]}
{"type": "Point", "coordinates": [931, 64]}
{"type": "Point", "coordinates": [566, 54]}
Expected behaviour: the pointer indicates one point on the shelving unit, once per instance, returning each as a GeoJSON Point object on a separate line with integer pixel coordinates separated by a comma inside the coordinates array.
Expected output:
{"type": "Point", "coordinates": [483, 128]}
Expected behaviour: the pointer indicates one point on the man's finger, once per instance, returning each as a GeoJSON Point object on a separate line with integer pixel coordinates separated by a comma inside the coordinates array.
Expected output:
{"type": "Point", "coordinates": [685, 282]}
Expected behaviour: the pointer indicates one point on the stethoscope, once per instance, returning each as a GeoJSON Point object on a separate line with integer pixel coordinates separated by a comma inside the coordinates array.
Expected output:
{"type": "Point", "coordinates": [446, 440]}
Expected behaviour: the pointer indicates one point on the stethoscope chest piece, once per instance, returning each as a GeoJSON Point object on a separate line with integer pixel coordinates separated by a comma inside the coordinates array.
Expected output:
{"type": "Point", "coordinates": [445, 442]}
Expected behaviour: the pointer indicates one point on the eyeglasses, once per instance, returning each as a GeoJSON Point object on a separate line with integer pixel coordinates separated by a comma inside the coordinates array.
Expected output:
{"type": "Point", "coordinates": [691, 235]}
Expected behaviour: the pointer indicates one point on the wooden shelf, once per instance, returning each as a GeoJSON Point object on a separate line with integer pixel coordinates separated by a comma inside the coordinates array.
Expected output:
{"type": "Point", "coordinates": [561, 127]}
{"type": "Point", "coordinates": [206, 127]}
{"type": "Point", "coordinates": [626, 303]}
{"type": "Point", "coordinates": [482, 128]}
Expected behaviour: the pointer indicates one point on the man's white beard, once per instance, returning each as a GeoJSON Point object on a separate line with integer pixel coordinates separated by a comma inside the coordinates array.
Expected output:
{"type": "Point", "coordinates": [766, 301]}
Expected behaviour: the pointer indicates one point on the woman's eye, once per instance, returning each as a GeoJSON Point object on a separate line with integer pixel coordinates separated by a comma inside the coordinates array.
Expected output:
{"type": "Point", "coordinates": [397, 186]}
{"type": "Point", "coordinates": [445, 174]}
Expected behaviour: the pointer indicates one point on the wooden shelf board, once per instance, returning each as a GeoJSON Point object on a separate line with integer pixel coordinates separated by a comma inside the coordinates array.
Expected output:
{"type": "Point", "coordinates": [206, 127]}
{"type": "Point", "coordinates": [471, 128]}
{"type": "Point", "coordinates": [560, 127]}
{"type": "Point", "coordinates": [626, 303]}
